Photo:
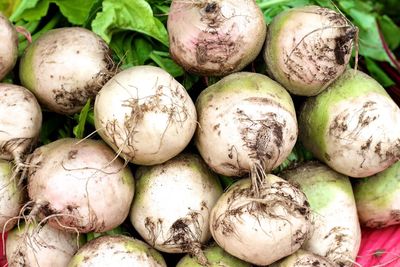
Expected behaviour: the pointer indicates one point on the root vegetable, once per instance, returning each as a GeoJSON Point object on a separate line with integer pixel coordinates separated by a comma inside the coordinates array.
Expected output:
{"type": "Point", "coordinates": [173, 202]}
{"type": "Point", "coordinates": [264, 228]}
{"type": "Point", "coordinates": [215, 37]}
{"type": "Point", "coordinates": [65, 67]}
{"type": "Point", "coordinates": [117, 251]}
{"type": "Point", "coordinates": [353, 126]}
{"type": "Point", "coordinates": [302, 258]}
{"type": "Point", "coordinates": [378, 198]}
{"type": "Point", "coordinates": [8, 46]}
{"type": "Point", "coordinates": [307, 48]}
{"type": "Point", "coordinates": [79, 185]}
{"type": "Point", "coordinates": [145, 115]}
{"type": "Point", "coordinates": [335, 232]}
{"type": "Point", "coordinates": [245, 120]}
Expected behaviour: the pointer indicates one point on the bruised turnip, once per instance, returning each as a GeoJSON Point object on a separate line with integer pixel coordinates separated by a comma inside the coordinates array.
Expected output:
{"type": "Point", "coordinates": [65, 67]}
{"type": "Point", "coordinates": [36, 245]}
{"type": "Point", "coordinates": [145, 115]}
{"type": "Point", "coordinates": [246, 122]}
{"type": "Point", "coordinates": [261, 228]}
{"type": "Point", "coordinates": [8, 46]}
{"type": "Point", "coordinates": [172, 204]}
{"type": "Point", "coordinates": [307, 48]}
{"type": "Point", "coordinates": [117, 250]}
{"type": "Point", "coordinates": [215, 37]}
{"type": "Point", "coordinates": [79, 185]}
{"type": "Point", "coordinates": [303, 258]}
{"type": "Point", "coordinates": [20, 122]}
{"type": "Point", "coordinates": [353, 126]}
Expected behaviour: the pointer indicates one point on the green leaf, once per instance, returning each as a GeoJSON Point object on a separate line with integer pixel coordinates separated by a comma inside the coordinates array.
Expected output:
{"type": "Point", "coordinates": [118, 15]}
{"type": "Point", "coordinates": [390, 31]}
{"type": "Point", "coordinates": [377, 73]}
{"type": "Point", "coordinates": [79, 129]}
{"type": "Point", "coordinates": [7, 7]}
{"type": "Point", "coordinates": [167, 64]}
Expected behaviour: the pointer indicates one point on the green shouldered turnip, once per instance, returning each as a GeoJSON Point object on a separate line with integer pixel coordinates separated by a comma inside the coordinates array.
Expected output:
{"type": "Point", "coordinates": [215, 37]}
{"type": "Point", "coordinates": [307, 48]}
{"type": "Point", "coordinates": [353, 126]}
{"type": "Point", "coordinates": [65, 67]}
{"type": "Point", "coordinates": [145, 115]}
{"type": "Point", "coordinates": [8, 46]}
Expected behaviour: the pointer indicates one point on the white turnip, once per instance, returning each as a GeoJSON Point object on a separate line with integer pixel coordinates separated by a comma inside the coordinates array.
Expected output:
{"type": "Point", "coordinates": [302, 258]}
{"type": "Point", "coordinates": [65, 67]}
{"type": "Point", "coordinates": [307, 48]}
{"type": "Point", "coordinates": [8, 46]}
{"type": "Point", "coordinates": [79, 185]}
{"type": "Point", "coordinates": [215, 37]}
{"type": "Point", "coordinates": [145, 115]}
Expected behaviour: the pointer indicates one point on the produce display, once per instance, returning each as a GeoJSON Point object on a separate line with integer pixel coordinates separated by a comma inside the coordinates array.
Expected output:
{"type": "Point", "coordinates": [193, 133]}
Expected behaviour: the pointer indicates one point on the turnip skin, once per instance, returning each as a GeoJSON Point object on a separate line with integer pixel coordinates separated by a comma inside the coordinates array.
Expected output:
{"type": "Point", "coordinates": [335, 232]}
{"type": "Point", "coordinates": [215, 38]}
{"type": "Point", "coordinates": [246, 119]}
{"type": "Point", "coordinates": [116, 251]}
{"type": "Point", "coordinates": [40, 246]}
{"type": "Point", "coordinates": [353, 126]}
{"type": "Point", "coordinates": [307, 48]}
{"type": "Point", "coordinates": [378, 198]}
{"type": "Point", "coordinates": [11, 197]}
{"type": "Point", "coordinates": [302, 258]}
{"type": "Point", "coordinates": [145, 115]}
{"type": "Point", "coordinates": [80, 185]}
{"type": "Point", "coordinates": [65, 67]}
{"type": "Point", "coordinates": [263, 228]}
{"type": "Point", "coordinates": [172, 204]}
{"type": "Point", "coordinates": [8, 46]}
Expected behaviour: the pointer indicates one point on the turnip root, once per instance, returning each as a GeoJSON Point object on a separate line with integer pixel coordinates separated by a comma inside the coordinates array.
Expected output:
{"type": "Point", "coordinates": [40, 246]}
{"type": "Point", "coordinates": [335, 232]}
{"type": "Point", "coordinates": [116, 251]}
{"type": "Point", "coordinates": [245, 120]}
{"type": "Point", "coordinates": [353, 126]}
{"type": "Point", "coordinates": [263, 228]}
{"type": "Point", "coordinates": [302, 258]}
{"type": "Point", "coordinates": [11, 197]}
{"type": "Point", "coordinates": [216, 257]}
{"type": "Point", "coordinates": [307, 48]}
{"type": "Point", "coordinates": [20, 122]}
{"type": "Point", "coordinates": [145, 115]}
{"type": "Point", "coordinates": [65, 67]}
{"type": "Point", "coordinates": [172, 204]}
{"type": "Point", "coordinates": [79, 185]}
{"type": "Point", "coordinates": [215, 37]}
{"type": "Point", "coordinates": [8, 46]}
{"type": "Point", "coordinates": [378, 198]}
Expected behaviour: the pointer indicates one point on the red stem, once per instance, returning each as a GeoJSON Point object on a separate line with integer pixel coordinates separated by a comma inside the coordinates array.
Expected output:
{"type": "Point", "coordinates": [387, 49]}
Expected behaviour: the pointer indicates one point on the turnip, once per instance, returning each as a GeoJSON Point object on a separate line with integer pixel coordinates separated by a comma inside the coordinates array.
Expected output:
{"type": "Point", "coordinates": [145, 115]}
{"type": "Point", "coordinates": [378, 198]}
{"type": "Point", "coordinates": [353, 126]}
{"type": "Point", "coordinates": [79, 185]}
{"type": "Point", "coordinates": [11, 197]}
{"type": "Point", "coordinates": [172, 204]}
{"type": "Point", "coordinates": [117, 251]}
{"type": "Point", "coordinates": [302, 258]}
{"type": "Point", "coordinates": [40, 246]}
{"type": "Point", "coordinates": [307, 48]}
{"type": "Point", "coordinates": [8, 46]}
{"type": "Point", "coordinates": [216, 257]}
{"type": "Point", "coordinates": [65, 67]}
{"type": "Point", "coordinates": [335, 232]}
{"type": "Point", "coordinates": [20, 122]}
{"type": "Point", "coordinates": [246, 122]}
{"type": "Point", "coordinates": [261, 228]}
{"type": "Point", "coordinates": [215, 37]}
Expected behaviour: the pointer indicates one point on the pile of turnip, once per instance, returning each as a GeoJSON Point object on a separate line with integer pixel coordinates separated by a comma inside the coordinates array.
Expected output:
{"type": "Point", "coordinates": [177, 177]}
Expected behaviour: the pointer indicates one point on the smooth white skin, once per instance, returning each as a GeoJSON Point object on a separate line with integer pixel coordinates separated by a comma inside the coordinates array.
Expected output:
{"type": "Point", "coordinates": [8, 46]}
{"type": "Point", "coordinates": [36, 246]}
{"type": "Point", "coordinates": [145, 115]}
{"type": "Point", "coordinates": [258, 239]}
{"type": "Point", "coordinates": [119, 251]}
{"type": "Point", "coordinates": [20, 120]}
{"type": "Point", "coordinates": [81, 179]}
{"type": "Point", "coordinates": [170, 192]}
{"type": "Point", "coordinates": [384, 127]}
{"type": "Point", "coordinates": [10, 197]}
{"type": "Point", "coordinates": [302, 258]}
